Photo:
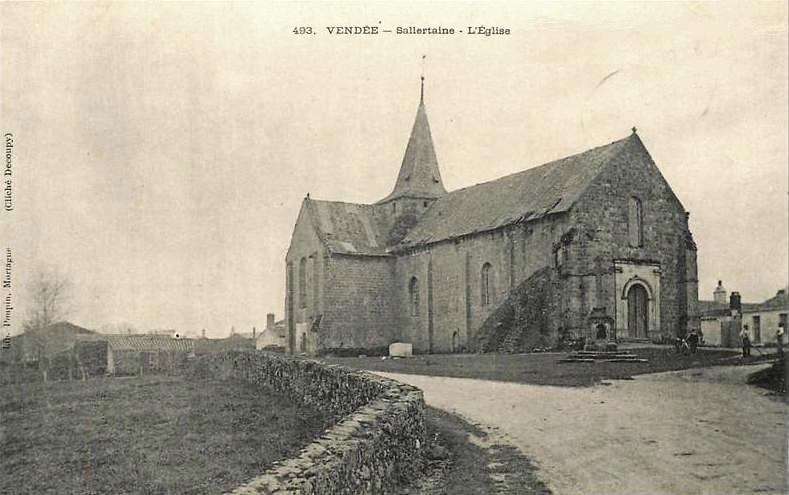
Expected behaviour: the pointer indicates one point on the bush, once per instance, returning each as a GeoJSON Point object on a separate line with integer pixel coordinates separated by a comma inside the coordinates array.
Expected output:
{"type": "Point", "coordinates": [353, 352]}
{"type": "Point", "coordinates": [772, 378]}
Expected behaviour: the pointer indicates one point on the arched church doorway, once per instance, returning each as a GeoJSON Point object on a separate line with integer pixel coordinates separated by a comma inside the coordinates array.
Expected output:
{"type": "Point", "coordinates": [638, 311]}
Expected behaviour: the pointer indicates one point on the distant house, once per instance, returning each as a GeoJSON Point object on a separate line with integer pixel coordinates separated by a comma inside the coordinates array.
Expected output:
{"type": "Point", "coordinates": [274, 337]}
{"type": "Point", "coordinates": [133, 354]}
{"type": "Point", "coordinates": [234, 342]}
{"type": "Point", "coordinates": [763, 318]}
{"type": "Point", "coordinates": [723, 318]}
{"type": "Point", "coordinates": [46, 342]}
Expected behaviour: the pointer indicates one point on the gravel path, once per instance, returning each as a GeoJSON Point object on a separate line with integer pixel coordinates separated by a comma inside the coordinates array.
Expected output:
{"type": "Point", "coordinates": [699, 431]}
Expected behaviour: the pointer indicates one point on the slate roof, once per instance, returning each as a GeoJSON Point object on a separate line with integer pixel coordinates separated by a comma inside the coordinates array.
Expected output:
{"type": "Point", "coordinates": [710, 309]}
{"type": "Point", "coordinates": [776, 303]}
{"type": "Point", "coordinates": [419, 176]}
{"type": "Point", "coordinates": [523, 196]}
{"type": "Point", "coordinates": [358, 229]}
{"type": "Point", "coordinates": [54, 338]}
{"type": "Point", "coordinates": [347, 228]}
{"type": "Point", "coordinates": [279, 329]}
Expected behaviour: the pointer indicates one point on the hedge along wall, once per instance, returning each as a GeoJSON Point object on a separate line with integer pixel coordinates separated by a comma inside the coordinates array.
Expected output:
{"type": "Point", "coordinates": [375, 446]}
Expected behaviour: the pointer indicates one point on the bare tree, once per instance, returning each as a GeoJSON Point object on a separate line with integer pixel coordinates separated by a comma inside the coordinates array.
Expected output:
{"type": "Point", "coordinates": [48, 293]}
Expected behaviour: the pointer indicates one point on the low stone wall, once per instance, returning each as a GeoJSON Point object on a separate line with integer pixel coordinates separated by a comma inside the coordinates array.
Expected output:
{"type": "Point", "coordinates": [375, 446]}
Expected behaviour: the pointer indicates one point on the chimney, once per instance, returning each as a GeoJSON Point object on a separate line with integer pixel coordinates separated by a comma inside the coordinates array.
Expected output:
{"type": "Point", "coordinates": [734, 302]}
{"type": "Point", "coordinates": [269, 321]}
{"type": "Point", "coordinates": [719, 296]}
{"type": "Point", "coordinates": [253, 332]}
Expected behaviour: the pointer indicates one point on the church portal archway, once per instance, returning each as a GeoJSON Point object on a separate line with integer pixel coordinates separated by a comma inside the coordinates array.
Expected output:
{"type": "Point", "coordinates": [638, 311]}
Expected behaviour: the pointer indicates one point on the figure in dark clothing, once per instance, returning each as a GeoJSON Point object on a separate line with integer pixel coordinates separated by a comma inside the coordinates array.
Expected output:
{"type": "Point", "coordinates": [693, 341]}
{"type": "Point", "coordinates": [681, 345]}
{"type": "Point", "coordinates": [745, 337]}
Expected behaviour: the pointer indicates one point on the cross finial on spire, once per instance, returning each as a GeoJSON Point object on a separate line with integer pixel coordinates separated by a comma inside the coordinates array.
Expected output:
{"type": "Point", "coordinates": [634, 129]}
{"type": "Point", "coordinates": [422, 78]}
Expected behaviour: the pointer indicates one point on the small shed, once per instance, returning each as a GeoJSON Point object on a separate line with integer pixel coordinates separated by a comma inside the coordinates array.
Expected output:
{"type": "Point", "coordinates": [135, 354]}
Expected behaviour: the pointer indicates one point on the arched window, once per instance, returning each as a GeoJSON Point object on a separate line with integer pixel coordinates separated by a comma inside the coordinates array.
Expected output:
{"type": "Point", "coordinates": [314, 283]}
{"type": "Point", "coordinates": [413, 296]}
{"type": "Point", "coordinates": [635, 222]}
{"type": "Point", "coordinates": [303, 283]}
{"type": "Point", "coordinates": [486, 285]}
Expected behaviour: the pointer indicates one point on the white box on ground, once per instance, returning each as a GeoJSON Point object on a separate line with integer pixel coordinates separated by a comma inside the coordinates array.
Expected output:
{"type": "Point", "coordinates": [400, 349]}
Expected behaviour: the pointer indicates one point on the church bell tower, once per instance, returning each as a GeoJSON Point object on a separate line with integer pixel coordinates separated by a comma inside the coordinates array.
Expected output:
{"type": "Point", "coordinates": [419, 182]}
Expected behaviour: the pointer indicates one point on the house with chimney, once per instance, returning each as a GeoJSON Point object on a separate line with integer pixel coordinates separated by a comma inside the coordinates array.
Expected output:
{"type": "Point", "coordinates": [274, 337]}
{"type": "Point", "coordinates": [723, 317]}
{"type": "Point", "coordinates": [521, 261]}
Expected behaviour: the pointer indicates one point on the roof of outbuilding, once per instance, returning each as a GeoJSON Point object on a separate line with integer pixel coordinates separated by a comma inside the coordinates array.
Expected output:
{"type": "Point", "coordinates": [147, 342]}
{"type": "Point", "coordinates": [57, 337]}
{"type": "Point", "coordinates": [778, 302]}
{"type": "Point", "coordinates": [523, 196]}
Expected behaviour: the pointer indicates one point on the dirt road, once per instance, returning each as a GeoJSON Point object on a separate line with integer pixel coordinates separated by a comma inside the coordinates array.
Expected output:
{"type": "Point", "coordinates": [698, 431]}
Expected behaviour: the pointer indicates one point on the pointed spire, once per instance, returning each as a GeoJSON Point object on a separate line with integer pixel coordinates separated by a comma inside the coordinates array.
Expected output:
{"type": "Point", "coordinates": [419, 176]}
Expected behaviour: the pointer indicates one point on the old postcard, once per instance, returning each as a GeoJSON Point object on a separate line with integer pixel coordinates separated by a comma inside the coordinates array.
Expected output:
{"type": "Point", "coordinates": [406, 248]}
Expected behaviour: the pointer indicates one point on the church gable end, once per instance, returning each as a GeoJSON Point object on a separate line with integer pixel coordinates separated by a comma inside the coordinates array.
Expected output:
{"type": "Point", "coordinates": [304, 267]}
{"type": "Point", "coordinates": [631, 231]}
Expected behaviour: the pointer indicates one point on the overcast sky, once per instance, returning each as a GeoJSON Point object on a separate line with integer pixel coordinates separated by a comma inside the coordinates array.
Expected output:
{"type": "Point", "coordinates": [162, 150]}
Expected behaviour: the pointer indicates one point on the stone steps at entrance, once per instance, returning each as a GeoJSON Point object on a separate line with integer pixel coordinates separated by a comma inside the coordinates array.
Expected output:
{"type": "Point", "coordinates": [602, 357]}
{"type": "Point", "coordinates": [612, 360]}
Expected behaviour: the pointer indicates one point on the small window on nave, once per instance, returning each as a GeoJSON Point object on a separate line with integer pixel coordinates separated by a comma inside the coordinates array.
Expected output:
{"type": "Point", "coordinates": [486, 287]}
{"type": "Point", "coordinates": [303, 283]}
{"type": "Point", "coordinates": [413, 296]}
{"type": "Point", "coordinates": [635, 222]}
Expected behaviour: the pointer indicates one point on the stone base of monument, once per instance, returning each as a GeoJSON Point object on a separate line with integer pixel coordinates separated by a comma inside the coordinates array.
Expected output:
{"type": "Point", "coordinates": [600, 345]}
{"type": "Point", "coordinates": [401, 349]}
{"type": "Point", "coordinates": [602, 356]}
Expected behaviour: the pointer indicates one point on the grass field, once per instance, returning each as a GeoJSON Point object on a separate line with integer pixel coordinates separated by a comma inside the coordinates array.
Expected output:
{"type": "Point", "coordinates": [152, 435]}
{"type": "Point", "coordinates": [540, 369]}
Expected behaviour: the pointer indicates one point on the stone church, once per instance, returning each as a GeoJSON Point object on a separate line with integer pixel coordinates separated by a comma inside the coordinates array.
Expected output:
{"type": "Point", "coordinates": [535, 258]}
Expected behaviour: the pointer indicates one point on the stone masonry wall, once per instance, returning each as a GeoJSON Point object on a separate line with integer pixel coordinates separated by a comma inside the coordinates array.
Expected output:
{"type": "Point", "coordinates": [450, 273]}
{"type": "Point", "coordinates": [373, 448]}
{"type": "Point", "coordinates": [359, 307]}
{"type": "Point", "coordinates": [600, 219]}
{"type": "Point", "coordinates": [527, 319]}
{"type": "Point", "coordinates": [304, 244]}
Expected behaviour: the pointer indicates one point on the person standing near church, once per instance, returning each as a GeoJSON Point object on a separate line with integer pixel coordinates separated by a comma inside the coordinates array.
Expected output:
{"type": "Point", "coordinates": [745, 338]}
{"type": "Point", "coordinates": [693, 341]}
{"type": "Point", "coordinates": [779, 339]}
